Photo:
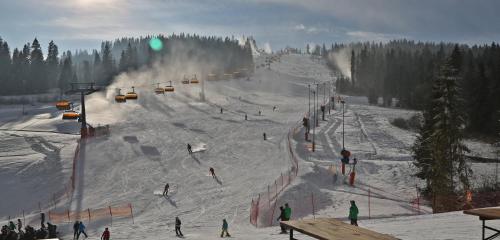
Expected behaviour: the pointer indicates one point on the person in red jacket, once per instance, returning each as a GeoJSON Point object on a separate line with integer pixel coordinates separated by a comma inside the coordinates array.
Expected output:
{"type": "Point", "coordinates": [105, 235]}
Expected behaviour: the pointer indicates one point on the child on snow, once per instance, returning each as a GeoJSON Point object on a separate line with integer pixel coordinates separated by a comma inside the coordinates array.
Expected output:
{"type": "Point", "coordinates": [353, 214]}
{"type": "Point", "coordinates": [105, 235]}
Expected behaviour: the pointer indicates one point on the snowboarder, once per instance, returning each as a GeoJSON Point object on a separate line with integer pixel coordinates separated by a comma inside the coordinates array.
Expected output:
{"type": "Point", "coordinates": [282, 218]}
{"type": "Point", "coordinates": [260, 112]}
{"type": "Point", "coordinates": [178, 232]}
{"type": "Point", "coordinates": [42, 220]}
{"type": "Point", "coordinates": [19, 225]}
{"type": "Point", "coordinates": [76, 227]}
{"type": "Point", "coordinates": [81, 229]}
{"type": "Point", "coordinates": [190, 149]}
{"type": "Point", "coordinates": [212, 172]}
{"type": "Point", "coordinates": [105, 235]}
{"type": "Point", "coordinates": [353, 213]}
{"type": "Point", "coordinates": [165, 191]}
{"type": "Point", "coordinates": [224, 228]}
{"type": "Point", "coordinates": [246, 117]}
{"type": "Point", "coordinates": [221, 111]}
{"type": "Point", "coordinates": [265, 137]}
{"type": "Point", "coordinates": [288, 212]}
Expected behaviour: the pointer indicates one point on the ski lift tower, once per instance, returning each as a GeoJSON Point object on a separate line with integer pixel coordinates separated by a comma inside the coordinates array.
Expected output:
{"type": "Point", "coordinates": [83, 89]}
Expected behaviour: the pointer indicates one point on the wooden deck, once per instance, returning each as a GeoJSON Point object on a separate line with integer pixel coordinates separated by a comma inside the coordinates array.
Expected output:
{"type": "Point", "coordinates": [333, 229]}
{"type": "Point", "coordinates": [485, 213]}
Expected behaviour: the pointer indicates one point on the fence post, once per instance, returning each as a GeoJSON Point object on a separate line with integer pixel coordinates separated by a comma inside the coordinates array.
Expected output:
{"type": "Point", "coordinates": [312, 200]}
{"type": "Point", "coordinates": [257, 212]}
{"type": "Point", "coordinates": [111, 214]}
{"type": "Point", "coordinates": [54, 198]}
{"type": "Point", "coordinates": [24, 219]}
{"type": "Point", "coordinates": [88, 210]}
{"type": "Point", "coordinates": [369, 207]}
{"type": "Point", "coordinates": [418, 199]}
{"type": "Point", "coordinates": [131, 212]}
{"type": "Point", "coordinates": [276, 185]}
{"type": "Point", "coordinates": [69, 219]}
{"type": "Point", "coordinates": [39, 207]}
{"type": "Point", "coordinates": [269, 195]}
{"type": "Point", "coordinates": [281, 181]}
{"type": "Point", "coordinates": [251, 211]}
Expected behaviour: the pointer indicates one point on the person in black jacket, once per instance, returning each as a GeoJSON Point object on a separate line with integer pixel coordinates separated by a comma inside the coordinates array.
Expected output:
{"type": "Point", "coordinates": [282, 218]}
{"type": "Point", "coordinates": [178, 232]}
{"type": "Point", "coordinates": [76, 226]}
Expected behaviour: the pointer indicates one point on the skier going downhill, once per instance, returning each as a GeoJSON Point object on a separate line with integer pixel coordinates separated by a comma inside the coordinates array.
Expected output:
{"type": "Point", "coordinates": [178, 232]}
{"type": "Point", "coordinates": [224, 229]}
{"type": "Point", "coordinates": [190, 149]}
{"type": "Point", "coordinates": [165, 191]}
{"type": "Point", "coordinates": [212, 172]}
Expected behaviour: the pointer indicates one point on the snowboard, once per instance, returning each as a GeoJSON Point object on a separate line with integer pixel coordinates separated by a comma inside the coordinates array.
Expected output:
{"type": "Point", "coordinates": [199, 147]}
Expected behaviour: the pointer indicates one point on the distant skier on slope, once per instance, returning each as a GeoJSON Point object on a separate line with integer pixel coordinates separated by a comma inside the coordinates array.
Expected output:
{"type": "Point", "coordinates": [190, 149]}
{"type": "Point", "coordinates": [165, 191]}
{"type": "Point", "coordinates": [264, 135]}
{"type": "Point", "coordinates": [225, 226]}
{"type": "Point", "coordinates": [178, 232]}
{"type": "Point", "coordinates": [221, 111]}
{"type": "Point", "coordinates": [246, 117]}
{"type": "Point", "coordinates": [212, 172]}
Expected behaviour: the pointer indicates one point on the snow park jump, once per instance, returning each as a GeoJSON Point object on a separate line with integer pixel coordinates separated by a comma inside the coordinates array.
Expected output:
{"type": "Point", "coordinates": [289, 121]}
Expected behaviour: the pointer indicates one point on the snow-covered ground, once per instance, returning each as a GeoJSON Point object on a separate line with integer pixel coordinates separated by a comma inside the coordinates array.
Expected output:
{"type": "Point", "coordinates": [147, 148]}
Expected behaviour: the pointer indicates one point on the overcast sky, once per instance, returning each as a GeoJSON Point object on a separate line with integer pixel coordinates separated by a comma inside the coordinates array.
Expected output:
{"type": "Point", "coordinates": [82, 24]}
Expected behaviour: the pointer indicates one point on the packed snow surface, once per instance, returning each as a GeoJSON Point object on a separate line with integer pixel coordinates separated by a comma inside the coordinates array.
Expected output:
{"type": "Point", "coordinates": [147, 148]}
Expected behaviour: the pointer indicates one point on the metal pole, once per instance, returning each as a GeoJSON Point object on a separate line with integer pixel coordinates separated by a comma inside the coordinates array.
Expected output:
{"type": "Point", "coordinates": [329, 98]}
{"type": "Point", "coordinates": [83, 130]}
{"type": "Point", "coordinates": [309, 113]}
{"type": "Point", "coordinates": [315, 111]}
{"type": "Point", "coordinates": [314, 128]}
{"type": "Point", "coordinates": [343, 111]}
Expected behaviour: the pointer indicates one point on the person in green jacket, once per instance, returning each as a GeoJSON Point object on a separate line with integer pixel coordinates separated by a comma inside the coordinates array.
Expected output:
{"type": "Point", "coordinates": [288, 212]}
{"type": "Point", "coordinates": [353, 213]}
{"type": "Point", "coordinates": [224, 228]}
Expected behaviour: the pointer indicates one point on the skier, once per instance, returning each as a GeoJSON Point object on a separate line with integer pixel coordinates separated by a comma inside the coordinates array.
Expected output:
{"type": "Point", "coordinates": [190, 149]}
{"type": "Point", "coordinates": [76, 226]}
{"type": "Point", "coordinates": [12, 226]}
{"type": "Point", "coordinates": [212, 172]}
{"type": "Point", "coordinates": [260, 112]}
{"type": "Point", "coordinates": [165, 191]}
{"type": "Point", "coordinates": [105, 235]}
{"type": "Point", "coordinates": [265, 137]}
{"type": "Point", "coordinates": [353, 213]}
{"type": "Point", "coordinates": [221, 111]}
{"type": "Point", "coordinates": [224, 229]}
{"type": "Point", "coordinates": [19, 225]}
{"type": "Point", "coordinates": [288, 212]}
{"type": "Point", "coordinates": [274, 108]}
{"type": "Point", "coordinates": [178, 232]}
{"type": "Point", "coordinates": [42, 220]}
{"type": "Point", "coordinates": [81, 229]}
{"type": "Point", "coordinates": [246, 117]}
{"type": "Point", "coordinates": [282, 218]}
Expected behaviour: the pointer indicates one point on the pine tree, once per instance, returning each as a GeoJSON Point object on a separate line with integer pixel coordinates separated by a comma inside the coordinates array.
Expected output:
{"type": "Point", "coordinates": [87, 76]}
{"type": "Point", "coordinates": [5, 68]}
{"type": "Point", "coordinates": [66, 72]}
{"type": "Point", "coordinates": [353, 69]}
{"type": "Point", "coordinates": [53, 64]}
{"type": "Point", "coordinates": [97, 71]}
{"type": "Point", "coordinates": [37, 68]}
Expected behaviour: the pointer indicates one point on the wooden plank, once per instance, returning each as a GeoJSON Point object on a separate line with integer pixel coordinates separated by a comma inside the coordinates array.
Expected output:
{"type": "Point", "coordinates": [333, 229]}
{"type": "Point", "coordinates": [487, 213]}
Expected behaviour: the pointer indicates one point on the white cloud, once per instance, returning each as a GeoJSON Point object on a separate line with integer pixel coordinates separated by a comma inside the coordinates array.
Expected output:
{"type": "Point", "coordinates": [372, 36]}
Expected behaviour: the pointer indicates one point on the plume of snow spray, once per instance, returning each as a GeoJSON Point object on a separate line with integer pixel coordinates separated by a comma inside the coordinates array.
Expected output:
{"type": "Point", "coordinates": [342, 59]}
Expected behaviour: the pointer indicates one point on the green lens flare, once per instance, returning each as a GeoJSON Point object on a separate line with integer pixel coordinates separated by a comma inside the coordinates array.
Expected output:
{"type": "Point", "coordinates": [155, 44]}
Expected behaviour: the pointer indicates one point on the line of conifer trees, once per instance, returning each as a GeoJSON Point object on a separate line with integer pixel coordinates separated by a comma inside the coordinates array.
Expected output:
{"type": "Point", "coordinates": [27, 71]}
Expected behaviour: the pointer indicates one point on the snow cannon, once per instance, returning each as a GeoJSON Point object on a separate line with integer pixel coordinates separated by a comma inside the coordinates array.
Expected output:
{"type": "Point", "coordinates": [63, 105]}
{"type": "Point", "coordinates": [185, 80]}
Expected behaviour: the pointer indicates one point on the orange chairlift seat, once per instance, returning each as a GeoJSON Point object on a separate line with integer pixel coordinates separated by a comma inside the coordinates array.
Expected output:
{"type": "Point", "coordinates": [159, 90]}
{"type": "Point", "coordinates": [70, 115]}
{"type": "Point", "coordinates": [194, 80]}
{"type": "Point", "coordinates": [131, 95]}
{"type": "Point", "coordinates": [63, 105]}
{"type": "Point", "coordinates": [185, 80]}
{"type": "Point", "coordinates": [169, 88]}
{"type": "Point", "coordinates": [120, 98]}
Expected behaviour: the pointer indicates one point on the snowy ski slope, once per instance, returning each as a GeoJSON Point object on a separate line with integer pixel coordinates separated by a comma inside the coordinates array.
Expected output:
{"type": "Point", "coordinates": [147, 148]}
